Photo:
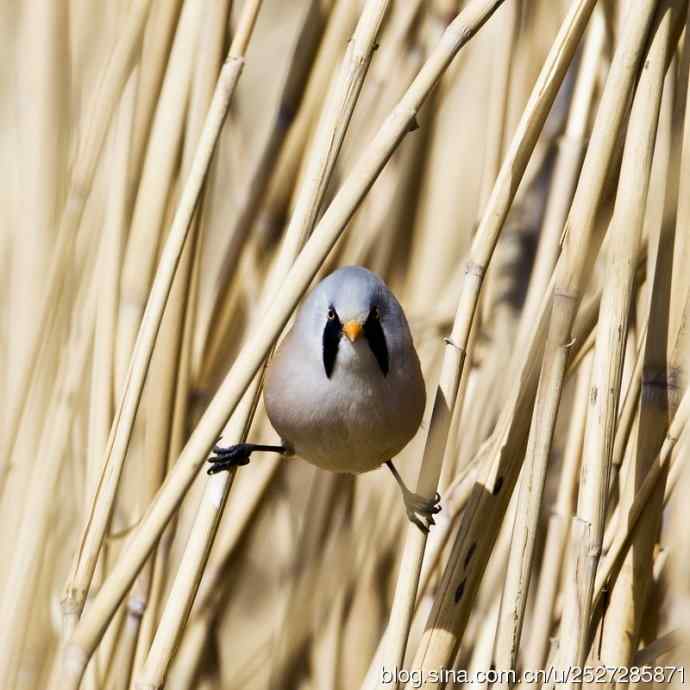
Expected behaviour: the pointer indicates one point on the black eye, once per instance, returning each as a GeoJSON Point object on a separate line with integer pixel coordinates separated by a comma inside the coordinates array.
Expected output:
{"type": "Point", "coordinates": [331, 313]}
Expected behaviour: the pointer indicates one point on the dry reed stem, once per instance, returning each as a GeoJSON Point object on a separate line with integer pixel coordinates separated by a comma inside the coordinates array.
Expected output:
{"type": "Point", "coordinates": [42, 108]}
{"type": "Point", "coordinates": [159, 169]}
{"type": "Point", "coordinates": [282, 187]}
{"type": "Point", "coordinates": [485, 510]}
{"type": "Point", "coordinates": [532, 480]}
{"type": "Point", "coordinates": [497, 209]}
{"type": "Point", "coordinates": [92, 625]}
{"type": "Point", "coordinates": [680, 281]}
{"type": "Point", "coordinates": [101, 509]}
{"type": "Point", "coordinates": [218, 321]}
{"type": "Point", "coordinates": [621, 626]}
{"type": "Point", "coordinates": [102, 389]}
{"type": "Point", "coordinates": [533, 477]}
{"type": "Point", "coordinates": [625, 239]}
{"type": "Point", "coordinates": [21, 580]}
{"type": "Point", "coordinates": [629, 520]}
{"type": "Point", "coordinates": [556, 540]}
{"type": "Point", "coordinates": [571, 151]}
{"type": "Point", "coordinates": [82, 175]}
{"type": "Point", "coordinates": [155, 52]}
{"type": "Point", "coordinates": [164, 388]}
{"type": "Point", "coordinates": [332, 128]}
{"type": "Point", "coordinates": [497, 126]}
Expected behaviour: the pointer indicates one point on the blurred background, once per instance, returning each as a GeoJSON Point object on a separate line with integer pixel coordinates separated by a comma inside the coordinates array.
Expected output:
{"type": "Point", "coordinates": [102, 106]}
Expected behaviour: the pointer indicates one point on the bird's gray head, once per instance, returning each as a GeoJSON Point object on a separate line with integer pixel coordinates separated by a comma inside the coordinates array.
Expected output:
{"type": "Point", "coordinates": [352, 319]}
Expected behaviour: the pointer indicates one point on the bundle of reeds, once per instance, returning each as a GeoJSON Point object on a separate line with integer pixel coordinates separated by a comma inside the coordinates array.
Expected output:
{"type": "Point", "coordinates": [179, 173]}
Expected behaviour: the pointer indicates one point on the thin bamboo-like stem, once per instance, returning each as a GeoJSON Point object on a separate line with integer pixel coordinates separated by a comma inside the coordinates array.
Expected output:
{"type": "Point", "coordinates": [620, 544]}
{"type": "Point", "coordinates": [83, 172]}
{"type": "Point", "coordinates": [680, 280]}
{"type": "Point", "coordinates": [487, 507]}
{"type": "Point", "coordinates": [496, 212]}
{"type": "Point", "coordinates": [217, 322]}
{"type": "Point", "coordinates": [102, 391]}
{"type": "Point", "coordinates": [571, 150]}
{"type": "Point", "coordinates": [21, 581]}
{"type": "Point", "coordinates": [332, 128]}
{"type": "Point", "coordinates": [499, 101]}
{"type": "Point", "coordinates": [155, 52]}
{"type": "Point", "coordinates": [102, 381]}
{"type": "Point", "coordinates": [154, 187]}
{"type": "Point", "coordinates": [533, 478]}
{"type": "Point", "coordinates": [622, 623]}
{"type": "Point", "coordinates": [163, 389]}
{"type": "Point", "coordinates": [91, 626]}
{"type": "Point", "coordinates": [42, 108]}
{"type": "Point", "coordinates": [558, 528]}
{"type": "Point", "coordinates": [626, 230]}
{"type": "Point", "coordinates": [101, 509]}
{"type": "Point", "coordinates": [341, 24]}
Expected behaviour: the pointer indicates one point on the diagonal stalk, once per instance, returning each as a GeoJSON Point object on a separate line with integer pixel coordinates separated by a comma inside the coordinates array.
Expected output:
{"type": "Point", "coordinates": [92, 625]}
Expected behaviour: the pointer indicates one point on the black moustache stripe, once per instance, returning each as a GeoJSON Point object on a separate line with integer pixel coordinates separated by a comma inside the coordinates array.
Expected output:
{"type": "Point", "coordinates": [373, 332]}
{"type": "Point", "coordinates": [377, 342]}
{"type": "Point", "coordinates": [331, 339]}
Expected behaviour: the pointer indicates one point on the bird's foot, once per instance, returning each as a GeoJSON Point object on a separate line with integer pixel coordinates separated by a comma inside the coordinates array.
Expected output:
{"type": "Point", "coordinates": [225, 459]}
{"type": "Point", "coordinates": [421, 510]}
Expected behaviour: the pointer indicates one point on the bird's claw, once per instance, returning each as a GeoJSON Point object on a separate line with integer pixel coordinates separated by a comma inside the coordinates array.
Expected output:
{"type": "Point", "coordinates": [226, 458]}
{"type": "Point", "coordinates": [421, 510]}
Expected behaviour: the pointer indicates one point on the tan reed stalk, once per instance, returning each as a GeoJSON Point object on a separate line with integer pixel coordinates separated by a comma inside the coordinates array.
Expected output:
{"type": "Point", "coordinates": [83, 172]}
{"type": "Point", "coordinates": [571, 151]}
{"type": "Point", "coordinates": [218, 321]}
{"type": "Point", "coordinates": [495, 214]}
{"type": "Point", "coordinates": [178, 605]}
{"type": "Point", "coordinates": [308, 591]}
{"type": "Point", "coordinates": [282, 186]}
{"type": "Point", "coordinates": [332, 127]}
{"type": "Point", "coordinates": [673, 441]}
{"type": "Point", "coordinates": [42, 109]}
{"type": "Point", "coordinates": [94, 530]}
{"type": "Point", "coordinates": [680, 281]}
{"type": "Point", "coordinates": [625, 235]}
{"type": "Point", "coordinates": [329, 135]}
{"type": "Point", "coordinates": [155, 52]}
{"type": "Point", "coordinates": [478, 530]}
{"type": "Point", "coordinates": [628, 413]}
{"type": "Point", "coordinates": [494, 313]}
{"type": "Point", "coordinates": [442, 226]}
{"type": "Point", "coordinates": [102, 383]}
{"type": "Point", "coordinates": [91, 626]}
{"type": "Point", "coordinates": [503, 60]}
{"type": "Point", "coordinates": [678, 576]}
{"type": "Point", "coordinates": [531, 486]}
{"type": "Point", "coordinates": [327, 647]}
{"type": "Point", "coordinates": [236, 520]}
{"type": "Point", "coordinates": [622, 622]}
{"type": "Point", "coordinates": [164, 387]}
{"type": "Point", "coordinates": [647, 480]}
{"type": "Point", "coordinates": [381, 217]}
{"type": "Point", "coordinates": [23, 574]}
{"type": "Point", "coordinates": [160, 166]}
{"type": "Point", "coordinates": [558, 529]}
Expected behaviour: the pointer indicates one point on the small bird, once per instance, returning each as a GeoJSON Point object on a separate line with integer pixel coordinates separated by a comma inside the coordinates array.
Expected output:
{"type": "Point", "coordinates": [345, 389]}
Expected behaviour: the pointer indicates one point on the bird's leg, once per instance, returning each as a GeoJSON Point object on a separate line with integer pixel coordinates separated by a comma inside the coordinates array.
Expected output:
{"type": "Point", "coordinates": [420, 510]}
{"type": "Point", "coordinates": [234, 456]}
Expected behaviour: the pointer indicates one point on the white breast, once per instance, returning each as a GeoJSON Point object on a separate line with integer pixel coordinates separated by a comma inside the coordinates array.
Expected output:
{"type": "Point", "coordinates": [352, 422]}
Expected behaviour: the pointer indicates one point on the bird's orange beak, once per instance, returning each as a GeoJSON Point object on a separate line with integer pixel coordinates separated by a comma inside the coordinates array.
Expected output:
{"type": "Point", "coordinates": [352, 329]}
